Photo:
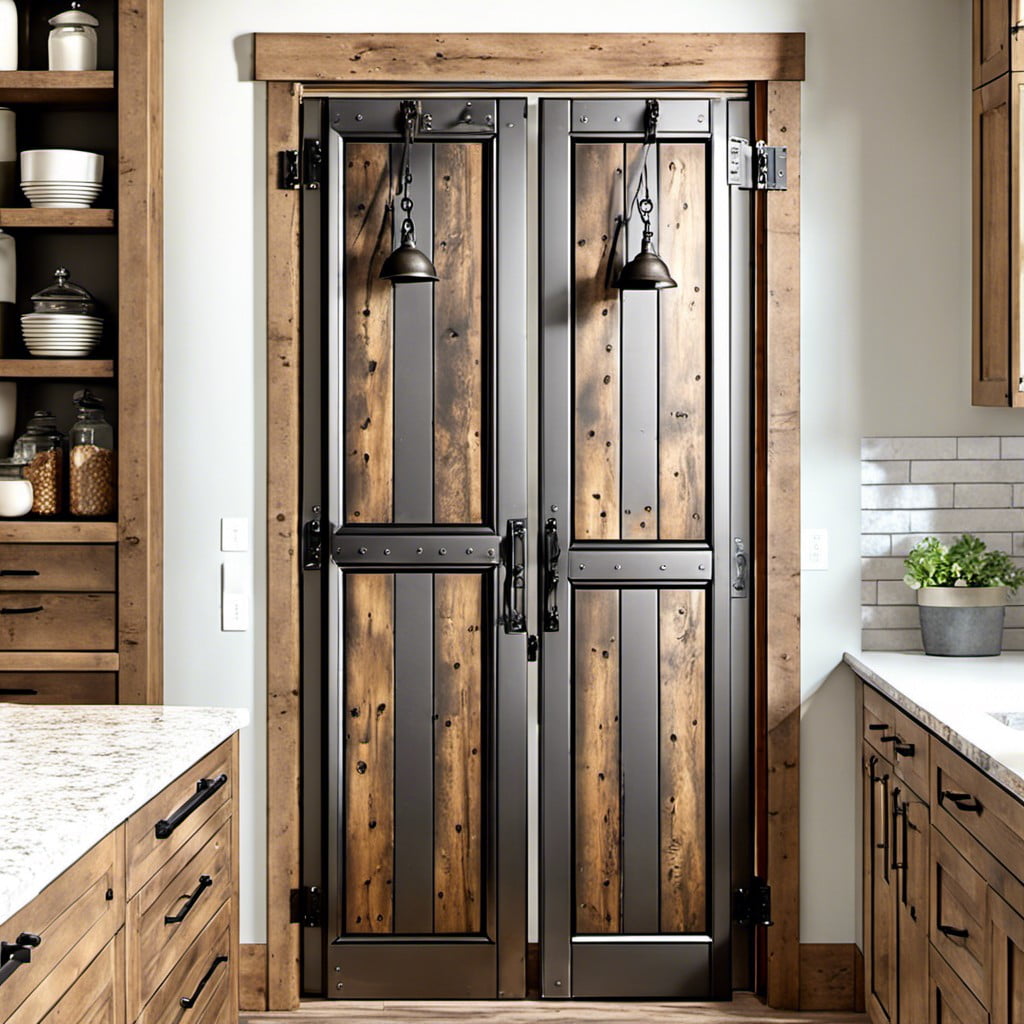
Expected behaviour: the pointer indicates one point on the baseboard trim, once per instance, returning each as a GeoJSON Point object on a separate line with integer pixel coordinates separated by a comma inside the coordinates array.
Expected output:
{"type": "Point", "coordinates": [831, 976]}
{"type": "Point", "coordinates": [252, 976]}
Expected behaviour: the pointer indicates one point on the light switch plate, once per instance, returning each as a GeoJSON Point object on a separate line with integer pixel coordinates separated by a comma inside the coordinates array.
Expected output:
{"type": "Point", "coordinates": [234, 533]}
{"type": "Point", "coordinates": [815, 549]}
{"type": "Point", "coordinates": [234, 612]}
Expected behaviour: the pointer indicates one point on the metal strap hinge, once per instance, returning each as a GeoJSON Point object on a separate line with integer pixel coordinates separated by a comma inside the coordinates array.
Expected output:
{"type": "Point", "coordinates": [758, 167]}
{"type": "Point", "coordinates": [307, 906]}
{"type": "Point", "coordinates": [305, 173]}
{"type": "Point", "coordinates": [752, 905]}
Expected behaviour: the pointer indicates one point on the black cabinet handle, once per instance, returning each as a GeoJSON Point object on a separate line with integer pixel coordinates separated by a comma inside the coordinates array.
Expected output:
{"type": "Point", "coordinates": [962, 801]}
{"type": "Point", "coordinates": [21, 611]}
{"type": "Point", "coordinates": [187, 1002]}
{"type": "Point", "coordinates": [515, 576]}
{"type": "Point", "coordinates": [898, 808]}
{"type": "Point", "coordinates": [878, 727]}
{"type": "Point", "coordinates": [956, 933]}
{"type": "Point", "coordinates": [14, 954]}
{"type": "Point", "coordinates": [552, 553]}
{"type": "Point", "coordinates": [205, 788]}
{"type": "Point", "coordinates": [903, 749]}
{"type": "Point", "coordinates": [19, 572]}
{"type": "Point", "coordinates": [17, 691]}
{"type": "Point", "coordinates": [205, 881]}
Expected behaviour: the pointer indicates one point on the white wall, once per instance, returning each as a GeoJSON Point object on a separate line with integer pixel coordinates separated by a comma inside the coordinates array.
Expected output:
{"type": "Point", "coordinates": [886, 305]}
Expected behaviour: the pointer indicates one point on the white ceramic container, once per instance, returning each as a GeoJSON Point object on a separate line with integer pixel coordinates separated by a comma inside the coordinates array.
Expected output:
{"type": "Point", "coordinates": [15, 498]}
{"type": "Point", "coordinates": [72, 42]}
{"type": "Point", "coordinates": [8, 35]}
{"type": "Point", "coordinates": [61, 165]}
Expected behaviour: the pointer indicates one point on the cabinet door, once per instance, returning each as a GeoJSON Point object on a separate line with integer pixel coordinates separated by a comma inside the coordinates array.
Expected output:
{"type": "Point", "coordinates": [1006, 928]}
{"type": "Point", "coordinates": [910, 817]}
{"type": "Point", "coordinates": [951, 1002]}
{"type": "Point", "coordinates": [991, 39]}
{"type": "Point", "coordinates": [879, 891]}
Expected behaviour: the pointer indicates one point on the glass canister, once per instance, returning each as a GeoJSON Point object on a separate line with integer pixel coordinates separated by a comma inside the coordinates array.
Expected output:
{"type": "Point", "coordinates": [91, 459]}
{"type": "Point", "coordinates": [41, 449]}
{"type": "Point", "coordinates": [72, 42]}
{"type": "Point", "coordinates": [64, 296]}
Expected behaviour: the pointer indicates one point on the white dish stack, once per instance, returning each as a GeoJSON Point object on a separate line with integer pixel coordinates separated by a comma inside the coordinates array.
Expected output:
{"type": "Point", "coordinates": [69, 178]}
{"type": "Point", "coordinates": [61, 335]}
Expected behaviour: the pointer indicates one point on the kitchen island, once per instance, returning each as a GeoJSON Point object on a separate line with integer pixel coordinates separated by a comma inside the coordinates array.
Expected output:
{"type": "Point", "coordinates": [118, 853]}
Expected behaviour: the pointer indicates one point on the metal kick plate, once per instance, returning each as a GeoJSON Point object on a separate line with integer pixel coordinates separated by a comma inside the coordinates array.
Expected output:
{"type": "Point", "coordinates": [639, 566]}
{"type": "Point", "coordinates": [437, 117]}
{"type": "Point", "coordinates": [353, 550]}
{"type": "Point", "coordinates": [676, 117]}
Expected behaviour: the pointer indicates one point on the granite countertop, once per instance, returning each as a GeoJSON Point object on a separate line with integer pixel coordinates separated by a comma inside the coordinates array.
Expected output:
{"type": "Point", "coordinates": [73, 774]}
{"type": "Point", "coordinates": [955, 698]}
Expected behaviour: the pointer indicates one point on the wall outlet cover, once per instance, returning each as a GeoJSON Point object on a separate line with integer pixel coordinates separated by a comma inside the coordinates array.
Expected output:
{"type": "Point", "coordinates": [814, 557]}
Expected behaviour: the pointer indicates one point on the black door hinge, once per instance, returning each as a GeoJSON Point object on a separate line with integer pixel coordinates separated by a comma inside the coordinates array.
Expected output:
{"type": "Point", "coordinates": [312, 542]}
{"type": "Point", "coordinates": [294, 173]}
{"type": "Point", "coordinates": [752, 905]}
{"type": "Point", "coordinates": [759, 167]}
{"type": "Point", "coordinates": [307, 905]}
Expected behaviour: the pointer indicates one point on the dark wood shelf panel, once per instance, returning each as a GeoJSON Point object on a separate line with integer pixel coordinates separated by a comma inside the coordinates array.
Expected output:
{"type": "Point", "coordinates": [21, 531]}
{"type": "Point", "coordinates": [18, 217]}
{"type": "Point", "coordinates": [86, 87]}
{"type": "Point", "coordinates": [58, 661]}
{"type": "Point", "coordinates": [70, 369]}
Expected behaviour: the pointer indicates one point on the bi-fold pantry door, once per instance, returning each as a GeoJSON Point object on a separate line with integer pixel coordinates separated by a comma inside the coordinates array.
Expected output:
{"type": "Point", "coordinates": [416, 627]}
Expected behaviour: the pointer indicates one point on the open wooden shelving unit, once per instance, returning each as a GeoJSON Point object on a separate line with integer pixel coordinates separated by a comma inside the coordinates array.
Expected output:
{"type": "Point", "coordinates": [116, 252]}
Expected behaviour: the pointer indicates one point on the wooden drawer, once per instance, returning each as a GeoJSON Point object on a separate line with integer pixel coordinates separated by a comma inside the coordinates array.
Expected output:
{"type": "Point", "coordinates": [98, 995]}
{"type": "Point", "coordinates": [58, 688]}
{"type": "Point", "coordinates": [74, 919]}
{"type": "Point", "coordinates": [46, 621]}
{"type": "Point", "coordinates": [58, 567]}
{"type": "Point", "coordinates": [982, 807]}
{"type": "Point", "coordinates": [951, 1002]}
{"type": "Point", "coordinates": [216, 1001]}
{"type": "Point", "coordinates": [195, 882]}
{"type": "Point", "coordinates": [899, 739]}
{"type": "Point", "coordinates": [147, 853]}
{"type": "Point", "coordinates": [957, 927]}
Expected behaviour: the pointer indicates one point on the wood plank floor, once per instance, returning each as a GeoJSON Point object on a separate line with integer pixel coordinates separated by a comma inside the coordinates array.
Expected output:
{"type": "Point", "coordinates": [744, 1008]}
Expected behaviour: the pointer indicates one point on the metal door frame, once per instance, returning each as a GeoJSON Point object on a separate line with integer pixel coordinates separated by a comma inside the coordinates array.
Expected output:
{"type": "Point", "coordinates": [497, 959]}
{"type": "Point", "coordinates": [729, 322]}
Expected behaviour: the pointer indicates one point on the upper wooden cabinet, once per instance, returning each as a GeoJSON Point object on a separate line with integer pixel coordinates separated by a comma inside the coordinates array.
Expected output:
{"type": "Point", "coordinates": [998, 228]}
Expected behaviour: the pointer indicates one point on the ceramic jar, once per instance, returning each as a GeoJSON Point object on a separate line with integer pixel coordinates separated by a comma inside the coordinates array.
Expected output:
{"type": "Point", "coordinates": [72, 43]}
{"type": "Point", "coordinates": [8, 35]}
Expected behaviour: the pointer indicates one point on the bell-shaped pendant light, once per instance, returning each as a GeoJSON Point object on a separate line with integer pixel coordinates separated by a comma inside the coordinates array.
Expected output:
{"type": "Point", "coordinates": [408, 264]}
{"type": "Point", "coordinates": [646, 270]}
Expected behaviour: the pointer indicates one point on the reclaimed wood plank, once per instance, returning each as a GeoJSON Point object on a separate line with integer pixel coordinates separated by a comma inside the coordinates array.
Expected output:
{"type": "Point", "coordinates": [369, 440]}
{"type": "Point", "coordinates": [683, 742]}
{"type": "Point", "coordinates": [596, 376]}
{"type": "Point", "coordinates": [458, 333]}
{"type": "Point", "coordinates": [369, 751]}
{"type": "Point", "coordinates": [597, 776]}
{"type": "Point", "coordinates": [458, 753]}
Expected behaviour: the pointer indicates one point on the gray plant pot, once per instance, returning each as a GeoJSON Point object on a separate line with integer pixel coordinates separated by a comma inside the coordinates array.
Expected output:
{"type": "Point", "coordinates": [962, 622]}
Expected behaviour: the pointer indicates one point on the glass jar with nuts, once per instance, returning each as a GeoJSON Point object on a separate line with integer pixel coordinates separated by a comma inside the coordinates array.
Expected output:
{"type": "Point", "coordinates": [91, 459]}
{"type": "Point", "coordinates": [41, 450]}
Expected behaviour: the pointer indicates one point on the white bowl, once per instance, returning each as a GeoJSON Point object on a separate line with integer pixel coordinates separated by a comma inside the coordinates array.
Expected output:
{"type": "Point", "coordinates": [63, 164]}
{"type": "Point", "coordinates": [64, 204]}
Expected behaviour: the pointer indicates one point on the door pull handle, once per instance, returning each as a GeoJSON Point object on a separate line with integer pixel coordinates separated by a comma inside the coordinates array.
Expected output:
{"type": "Point", "coordinates": [552, 553]}
{"type": "Point", "coordinates": [514, 612]}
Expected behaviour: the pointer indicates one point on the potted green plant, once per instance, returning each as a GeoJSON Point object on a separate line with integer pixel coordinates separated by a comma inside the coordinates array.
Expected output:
{"type": "Point", "coordinates": [962, 592]}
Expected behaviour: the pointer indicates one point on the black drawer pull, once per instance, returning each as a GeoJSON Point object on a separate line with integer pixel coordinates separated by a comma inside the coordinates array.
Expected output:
{"type": "Point", "coordinates": [187, 1002]}
{"type": "Point", "coordinates": [904, 749]}
{"type": "Point", "coordinates": [956, 933]}
{"type": "Point", "coordinates": [205, 881]}
{"type": "Point", "coordinates": [962, 801]}
{"type": "Point", "coordinates": [878, 727]}
{"type": "Point", "coordinates": [21, 611]}
{"type": "Point", "coordinates": [14, 954]}
{"type": "Point", "coordinates": [19, 572]}
{"type": "Point", "coordinates": [15, 691]}
{"type": "Point", "coordinates": [205, 788]}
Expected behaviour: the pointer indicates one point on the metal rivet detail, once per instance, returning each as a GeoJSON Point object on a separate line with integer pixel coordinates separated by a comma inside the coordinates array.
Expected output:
{"type": "Point", "coordinates": [337, 970]}
{"type": "Point", "coordinates": [617, 568]}
{"type": "Point", "coordinates": [584, 119]}
{"type": "Point", "coordinates": [359, 117]}
{"type": "Point", "coordinates": [362, 551]}
{"type": "Point", "coordinates": [490, 551]}
{"type": "Point", "coordinates": [583, 565]}
{"type": "Point", "coordinates": [700, 119]}
{"type": "Point", "coordinates": [340, 984]}
{"type": "Point", "coordinates": [617, 119]}
{"type": "Point", "coordinates": [662, 567]}
{"type": "Point", "coordinates": [442, 551]}
{"type": "Point", "coordinates": [469, 551]}
{"type": "Point", "coordinates": [419, 551]}
{"type": "Point", "coordinates": [387, 551]}
{"type": "Point", "coordinates": [511, 124]}
{"type": "Point", "coordinates": [554, 508]}
{"type": "Point", "coordinates": [700, 568]}
{"type": "Point", "coordinates": [558, 984]}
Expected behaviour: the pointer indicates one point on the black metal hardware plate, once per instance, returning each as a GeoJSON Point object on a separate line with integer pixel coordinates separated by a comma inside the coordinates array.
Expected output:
{"type": "Point", "coordinates": [307, 906]}
{"type": "Point", "coordinates": [752, 905]}
{"type": "Point", "coordinates": [675, 117]}
{"type": "Point", "coordinates": [640, 566]}
{"type": "Point", "coordinates": [351, 551]}
{"type": "Point", "coordinates": [437, 117]}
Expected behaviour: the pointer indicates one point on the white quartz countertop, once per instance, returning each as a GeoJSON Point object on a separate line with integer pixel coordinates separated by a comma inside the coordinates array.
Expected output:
{"type": "Point", "coordinates": [73, 774]}
{"type": "Point", "coordinates": [955, 699]}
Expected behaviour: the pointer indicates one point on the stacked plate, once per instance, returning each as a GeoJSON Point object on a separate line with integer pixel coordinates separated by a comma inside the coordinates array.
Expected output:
{"type": "Point", "coordinates": [61, 335]}
{"type": "Point", "coordinates": [49, 194]}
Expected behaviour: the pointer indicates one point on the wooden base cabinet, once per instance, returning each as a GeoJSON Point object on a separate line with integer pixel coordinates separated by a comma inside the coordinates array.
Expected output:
{"type": "Point", "coordinates": [144, 927]}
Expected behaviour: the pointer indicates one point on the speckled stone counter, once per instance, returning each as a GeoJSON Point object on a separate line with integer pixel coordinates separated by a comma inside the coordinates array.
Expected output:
{"type": "Point", "coordinates": [73, 774]}
{"type": "Point", "coordinates": [957, 699]}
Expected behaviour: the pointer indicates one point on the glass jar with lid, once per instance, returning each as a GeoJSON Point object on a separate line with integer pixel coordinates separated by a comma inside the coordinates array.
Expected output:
{"type": "Point", "coordinates": [41, 450]}
{"type": "Point", "coordinates": [91, 459]}
{"type": "Point", "coordinates": [64, 296]}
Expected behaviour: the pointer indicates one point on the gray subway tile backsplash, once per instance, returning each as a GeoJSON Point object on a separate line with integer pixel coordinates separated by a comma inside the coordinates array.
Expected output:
{"type": "Point", "coordinates": [917, 487]}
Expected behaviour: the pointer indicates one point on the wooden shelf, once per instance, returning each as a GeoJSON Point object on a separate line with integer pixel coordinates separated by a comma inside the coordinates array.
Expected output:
{"type": "Point", "coordinates": [18, 217]}
{"type": "Point", "coordinates": [86, 87]}
{"type": "Point", "coordinates": [20, 531]}
{"type": "Point", "coordinates": [58, 661]}
{"type": "Point", "coordinates": [68, 368]}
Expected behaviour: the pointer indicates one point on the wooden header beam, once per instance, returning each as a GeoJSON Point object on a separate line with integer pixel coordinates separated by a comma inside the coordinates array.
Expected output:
{"type": "Point", "coordinates": [496, 59]}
